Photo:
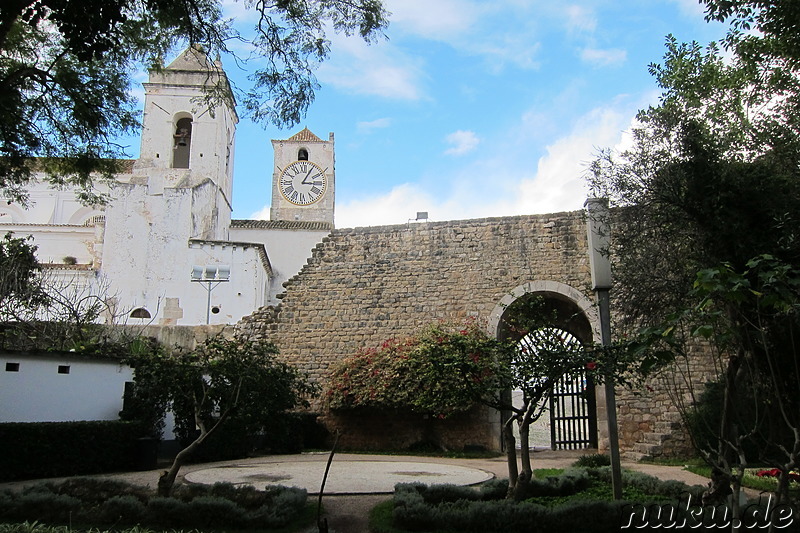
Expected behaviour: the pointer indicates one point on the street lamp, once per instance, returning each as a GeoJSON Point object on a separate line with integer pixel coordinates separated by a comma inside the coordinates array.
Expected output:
{"type": "Point", "coordinates": [600, 266]}
{"type": "Point", "coordinates": [210, 276]}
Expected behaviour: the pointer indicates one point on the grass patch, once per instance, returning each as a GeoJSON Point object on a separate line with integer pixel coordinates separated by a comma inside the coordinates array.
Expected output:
{"type": "Point", "coordinates": [749, 480]}
{"type": "Point", "coordinates": [541, 473]}
{"type": "Point", "coordinates": [380, 519]}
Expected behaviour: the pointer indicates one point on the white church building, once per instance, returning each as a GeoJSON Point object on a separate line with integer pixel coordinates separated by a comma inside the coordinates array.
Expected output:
{"type": "Point", "coordinates": [164, 250]}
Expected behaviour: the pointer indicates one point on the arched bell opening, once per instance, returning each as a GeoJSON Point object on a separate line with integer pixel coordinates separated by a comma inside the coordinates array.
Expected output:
{"type": "Point", "coordinates": [182, 142]}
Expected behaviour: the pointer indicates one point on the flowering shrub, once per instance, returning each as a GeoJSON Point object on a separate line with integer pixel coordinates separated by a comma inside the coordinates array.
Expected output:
{"type": "Point", "coordinates": [774, 472]}
{"type": "Point", "coordinates": [444, 369]}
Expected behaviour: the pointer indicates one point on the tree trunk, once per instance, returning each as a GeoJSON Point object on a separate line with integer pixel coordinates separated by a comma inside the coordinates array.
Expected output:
{"type": "Point", "coordinates": [167, 480]}
{"type": "Point", "coordinates": [511, 454]}
{"type": "Point", "coordinates": [524, 447]}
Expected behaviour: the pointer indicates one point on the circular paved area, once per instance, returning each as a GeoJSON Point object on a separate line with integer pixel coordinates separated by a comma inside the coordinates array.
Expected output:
{"type": "Point", "coordinates": [345, 477]}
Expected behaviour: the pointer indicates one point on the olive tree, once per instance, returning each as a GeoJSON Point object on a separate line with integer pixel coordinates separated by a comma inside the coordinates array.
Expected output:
{"type": "Point", "coordinates": [220, 380]}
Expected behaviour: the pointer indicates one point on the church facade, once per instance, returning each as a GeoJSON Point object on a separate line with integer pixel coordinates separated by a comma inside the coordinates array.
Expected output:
{"type": "Point", "coordinates": [164, 250]}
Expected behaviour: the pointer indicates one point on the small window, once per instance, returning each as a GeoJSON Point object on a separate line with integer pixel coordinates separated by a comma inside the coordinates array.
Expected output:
{"type": "Point", "coordinates": [302, 154]}
{"type": "Point", "coordinates": [12, 367]}
{"type": "Point", "coordinates": [140, 312]}
{"type": "Point", "coordinates": [63, 369]}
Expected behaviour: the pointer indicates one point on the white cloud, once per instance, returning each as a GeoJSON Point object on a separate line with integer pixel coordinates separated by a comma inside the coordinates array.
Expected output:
{"type": "Point", "coordinates": [369, 126]}
{"type": "Point", "coordinates": [604, 58]}
{"type": "Point", "coordinates": [461, 142]}
{"type": "Point", "coordinates": [692, 8]}
{"type": "Point", "coordinates": [377, 69]}
{"type": "Point", "coordinates": [437, 20]}
{"type": "Point", "coordinates": [396, 207]}
{"type": "Point", "coordinates": [261, 214]}
{"type": "Point", "coordinates": [553, 182]}
{"type": "Point", "coordinates": [239, 11]}
{"type": "Point", "coordinates": [580, 19]}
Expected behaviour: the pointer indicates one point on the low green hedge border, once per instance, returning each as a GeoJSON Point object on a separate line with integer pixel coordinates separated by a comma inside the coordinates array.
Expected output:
{"type": "Point", "coordinates": [94, 502]}
{"type": "Point", "coordinates": [562, 503]}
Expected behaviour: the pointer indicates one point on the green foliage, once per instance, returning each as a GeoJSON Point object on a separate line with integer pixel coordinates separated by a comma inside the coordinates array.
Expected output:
{"type": "Point", "coordinates": [241, 378]}
{"type": "Point", "coordinates": [127, 509]}
{"type": "Point", "coordinates": [65, 73]}
{"type": "Point", "coordinates": [18, 268]}
{"type": "Point", "coordinates": [577, 500]}
{"type": "Point", "coordinates": [219, 381]}
{"type": "Point", "coordinates": [593, 460]}
{"type": "Point", "coordinates": [444, 369]}
{"type": "Point", "coordinates": [50, 449]}
{"type": "Point", "coordinates": [712, 183]}
{"type": "Point", "coordinates": [102, 502]}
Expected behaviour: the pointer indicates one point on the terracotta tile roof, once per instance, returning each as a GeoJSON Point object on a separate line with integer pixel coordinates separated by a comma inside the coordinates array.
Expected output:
{"type": "Point", "coordinates": [282, 224]}
{"type": "Point", "coordinates": [305, 136]}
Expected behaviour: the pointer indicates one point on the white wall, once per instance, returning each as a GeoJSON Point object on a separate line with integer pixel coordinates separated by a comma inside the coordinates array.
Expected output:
{"type": "Point", "coordinates": [92, 390]}
{"type": "Point", "coordinates": [288, 249]}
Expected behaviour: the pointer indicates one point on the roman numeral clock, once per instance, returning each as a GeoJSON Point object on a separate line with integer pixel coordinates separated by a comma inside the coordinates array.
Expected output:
{"type": "Point", "coordinates": [302, 183]}
{"type": "Point", "coordinates": [303, 179]}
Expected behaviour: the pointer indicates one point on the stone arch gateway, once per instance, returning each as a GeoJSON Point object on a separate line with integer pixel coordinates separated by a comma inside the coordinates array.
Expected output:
{"type": "Point", "coordinates": [570, 419]}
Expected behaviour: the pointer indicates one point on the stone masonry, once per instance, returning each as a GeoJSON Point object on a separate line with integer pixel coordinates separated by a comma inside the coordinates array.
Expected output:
{"type": "Point", "coordinates": [365, 285]}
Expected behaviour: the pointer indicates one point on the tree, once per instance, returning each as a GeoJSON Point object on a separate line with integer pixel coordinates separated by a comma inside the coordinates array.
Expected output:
{"type": "Point", "coordinates": [65, 73]}
{"type": "Point", "coordinates": [709, 186]}
{"type": "Point", "coordinates": [18, 270]}
{"type": "Point", "coordinates": [220, 380]}
{"type": "Point", "coordinates": [451, 367]}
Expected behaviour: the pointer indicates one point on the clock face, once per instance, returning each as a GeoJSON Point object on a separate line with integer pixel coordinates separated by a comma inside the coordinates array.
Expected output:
{"type": "Point", "coordinates": [302, 183]}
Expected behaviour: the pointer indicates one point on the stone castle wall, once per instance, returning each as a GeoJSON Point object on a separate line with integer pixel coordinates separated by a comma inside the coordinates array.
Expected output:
{"type": "Point", "coordinates": [365, 285]}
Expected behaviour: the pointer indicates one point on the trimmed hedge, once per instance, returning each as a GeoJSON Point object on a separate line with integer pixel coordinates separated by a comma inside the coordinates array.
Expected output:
{"type": "Point", "coordinates": [57, 449]}
{"type": "Point", "coordinates": [419, 507]}
{"type": "Point", "coordinates": [99, 502]}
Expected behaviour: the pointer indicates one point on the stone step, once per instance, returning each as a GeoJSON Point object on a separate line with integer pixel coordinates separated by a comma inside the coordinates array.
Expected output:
{"type": "Point", "coordinates": [655, 438]}
{"type": "Point", "coordinates": [632, 456]}
{"type": "Point", "coordinates": [667, 426]}
{"type": "Point", "coordinates": [647, 449]}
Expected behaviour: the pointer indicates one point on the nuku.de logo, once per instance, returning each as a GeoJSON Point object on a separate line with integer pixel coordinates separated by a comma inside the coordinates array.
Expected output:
{"type": "Point", "coordinates": [685, 514]}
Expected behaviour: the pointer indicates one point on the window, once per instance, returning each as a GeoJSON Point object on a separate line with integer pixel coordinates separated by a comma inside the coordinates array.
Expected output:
{"type": "Point", "coordinates": [302, 154]}
{"type": "Point", "coordinates": [12, 367]}
{"type": "Point", "coordinates": [182, 143]}
{"type": "Point", "coordinates": [140, 312]}
{"type": "Point", "coordinates": [63, 369]}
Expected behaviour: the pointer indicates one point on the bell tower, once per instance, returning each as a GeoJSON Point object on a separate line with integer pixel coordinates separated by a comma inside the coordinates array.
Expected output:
{"type": "Point", "coordinates": [189, 125]}
{"type": "Point", "coordinates": [303, 179]}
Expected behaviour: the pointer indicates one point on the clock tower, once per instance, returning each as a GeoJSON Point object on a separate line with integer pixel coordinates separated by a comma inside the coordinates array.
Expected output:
{"type": "Point", "coordinates": [303, 179]}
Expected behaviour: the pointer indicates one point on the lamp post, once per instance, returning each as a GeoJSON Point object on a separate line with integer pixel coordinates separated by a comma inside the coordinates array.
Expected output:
{"type": "Point", "coordinates": [210, 276]}
{"type": "Point", "coordinates": [600, 266]}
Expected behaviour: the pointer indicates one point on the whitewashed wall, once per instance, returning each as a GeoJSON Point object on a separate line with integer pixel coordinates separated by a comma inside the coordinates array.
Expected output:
{"type": "Point", "coordinates": [289, 250]}
{"type": "Point", "coordinates": [37, 392]}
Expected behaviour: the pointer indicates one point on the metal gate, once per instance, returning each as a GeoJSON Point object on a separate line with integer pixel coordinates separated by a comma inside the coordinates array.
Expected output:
{"type": "Point", "coordinates": [573, 418]}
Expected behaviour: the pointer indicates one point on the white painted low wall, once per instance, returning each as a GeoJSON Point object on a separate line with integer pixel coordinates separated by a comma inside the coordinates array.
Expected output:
{"type": "Point", "coordinates": [33, 390]}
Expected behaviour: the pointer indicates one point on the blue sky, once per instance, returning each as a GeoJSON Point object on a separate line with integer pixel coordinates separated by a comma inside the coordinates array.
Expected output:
{"type": "Point", "coordinates": [475, 108]}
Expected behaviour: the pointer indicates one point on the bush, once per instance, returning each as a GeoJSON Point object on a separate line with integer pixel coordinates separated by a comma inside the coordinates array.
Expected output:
{"type": "Point", "coordinates": [166, 512]}
{"type": "Point", "coordinates": [108, 502]}
{"type": "Point", "coordinates": [122, 510]}
{"type": "Point", "coordinates": [209, 512]}
{"type": "Point", "coordinates": [419, 507]}
{"type": "Point", "coordinates": [43, 506]}
{"type": "Point", "coordinates": [592, 460]}
{"type": "Point", "coordinates": [56, 449]}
